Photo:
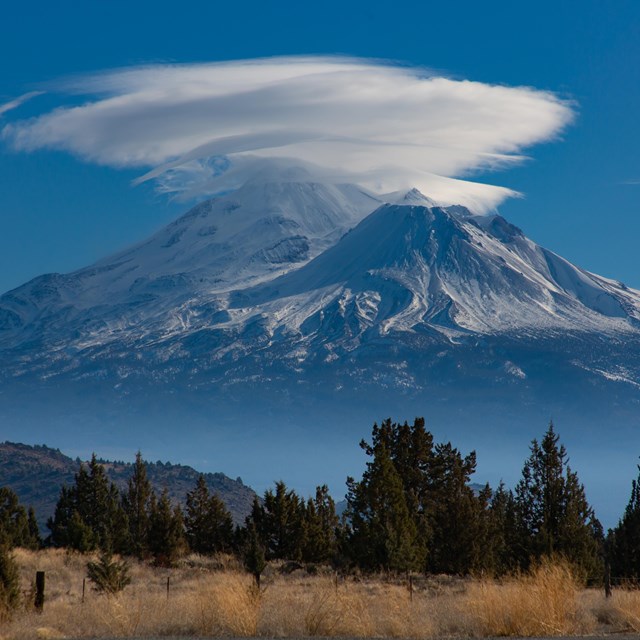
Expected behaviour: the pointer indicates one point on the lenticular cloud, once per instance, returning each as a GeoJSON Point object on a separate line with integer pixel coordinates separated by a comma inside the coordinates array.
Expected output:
{"type": "Point", "coordinates": [201, 128]}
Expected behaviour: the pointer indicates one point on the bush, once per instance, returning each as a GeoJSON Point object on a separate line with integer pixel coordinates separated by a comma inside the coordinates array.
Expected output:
{"type": "Point", "coordinates": [9, 583]}
{"type": "Point", "coordinates": [108, 575]}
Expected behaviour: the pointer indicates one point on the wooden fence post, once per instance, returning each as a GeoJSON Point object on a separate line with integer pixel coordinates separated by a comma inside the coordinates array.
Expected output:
{"type": "Point", "coordinates": [39, 601]}
{"type": "Point", "coordinates": [607, 580]}
{"type": "Point", "coordinates": [84, 580]}
{"type": "Point", "coordinates": [168, 583]}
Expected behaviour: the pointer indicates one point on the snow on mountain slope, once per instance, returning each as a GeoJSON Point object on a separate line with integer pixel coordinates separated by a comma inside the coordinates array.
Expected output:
{"type": "Point", "coordinates": [261, 230]}
{"type": "Point", "coordinates": [416, 268]}
{"type": "Point", "coordinates": [267, 273]}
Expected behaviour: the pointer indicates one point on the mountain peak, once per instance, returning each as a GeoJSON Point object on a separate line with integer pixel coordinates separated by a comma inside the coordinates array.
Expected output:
{"type": "Point", "coordinates": [438, 269]}
{"type": "Point", "coordinates": [298, 266]}
{"type": "Point", "coordinates": [411, 197]}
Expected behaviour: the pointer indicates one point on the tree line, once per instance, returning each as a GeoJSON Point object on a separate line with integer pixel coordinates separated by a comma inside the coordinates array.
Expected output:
{"type": "Point", "coordinates": [413, 510]}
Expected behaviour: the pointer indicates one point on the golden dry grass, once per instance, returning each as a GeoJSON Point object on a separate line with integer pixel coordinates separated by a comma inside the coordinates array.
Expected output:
{"type": "Point", "coordinates": [546, 602]}
{"type": "Point", "coordinates": [621, 611]}
{"type": "Point", "coordinates": [214, 598]}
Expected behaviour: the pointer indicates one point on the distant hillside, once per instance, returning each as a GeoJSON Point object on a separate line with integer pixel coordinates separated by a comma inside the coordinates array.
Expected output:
{"type": "Point", "coordinates": [36, 474]}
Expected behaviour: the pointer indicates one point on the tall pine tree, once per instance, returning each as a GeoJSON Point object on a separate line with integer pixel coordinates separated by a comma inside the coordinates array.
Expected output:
{"type": "Point", "coordinates": [382, 534]}
{"type": "Point", "coordinates": [88, 514]}
{"type": "Point", "coordinates": [208, 524]}
{"type": "Point", "coordinates": [280, 523]}
{"type": "Point", "coordinates": [136, 502]}
{"type": "Point", "coordinates": [447, 520]}
{"type": "Point", "coordinates": [552, 512]}
{"type": "Point", "coordinates": [166, 531]}
{"type": "Point", "coordinates": [456, 513]}
{"type": "Point", "coordinates": [321, 523]}
{"type": "Point", "coordinates": [17, 527]}
{"type": "Point", "coordinates": [623, 542]}
{"type": "Point", "coordinates": [502, 532]}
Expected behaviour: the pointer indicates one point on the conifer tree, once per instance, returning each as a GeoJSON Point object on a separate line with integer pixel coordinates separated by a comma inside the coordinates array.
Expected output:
{"type": "Point", "coordinates": [104, 513]}
{"type": "Point", "coordinates": [16, 527]}
{"type": "Point", "coordinates": [166, 531]}
{"type": "Point", "coordinates": [482, 557]}
{"type": "Point", "coordinates": [456, 513]}
{"type": "Point", "coordinates": [88, 514]}
{"type": "Point", "coordinates": [321, 522]}
{"type": "Point", "coordinates": [61, 525]}
{"type": "Point", "coordinates": [450, 521]}
{"type": "Point", "coordinates": [34, 540]}
{"type": "Point", "coordinates": [623, 543]}
{"type": "Point", "coordinates": [208, 524]}
{"type": "Point", "coordinates": [502, 532]}
{"type": "Point", "coordinates": [254, 554]}
{"type": "Point", "coordinates": [9, 582]}
{"type": "Point", "coordinates": [411, 451]}
{"type": "Point", "coordinates": [553, 515]}
{"type": "Point", "coordinates": [108, 575]}
{"type": "Point", "coordinates": [279, 523]}
{"type": "Point", "coordinates": [136, 503]}
{"type": "Point", "coordinates": [78, 535]}
{"type": "Point", "coordinates": [382, 534]}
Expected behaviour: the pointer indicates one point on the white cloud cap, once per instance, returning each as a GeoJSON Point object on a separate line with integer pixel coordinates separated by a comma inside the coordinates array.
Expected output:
{"type": "Point", "coordinates": [385, 126]}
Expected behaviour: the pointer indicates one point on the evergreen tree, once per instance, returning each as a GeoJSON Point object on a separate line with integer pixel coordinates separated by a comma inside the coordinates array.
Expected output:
{"type": "Point", "coordinates": [382, 534]}
{"type": "Point", "coordinates": [67, 527]}
{"type": "Point", "coordinates": [482, 556]}
{"type": "Point", "coordinates": [16, 530]}
{"type": "Point", "coordinates": [35, 540]}
{"type": "Point", "coordinates": [623, 543]}
{"type": "Point", "coordinates": [449, 522]}
{"type": "Point", "coordinates": [456, 513]}
{"type": "Point", "coordinates": [79, 535]}
{"type": "Point", "coordinates": [166, 531]}
{"type": "Point", "coordinates": [136, 503]}
{"type": "Point", "coordinates": [553, 515]}
{"type": "Point", "coordinates": [411, 451]}
{"type": "Point", "coordinates": [103, 510]}
{"type": "Point", "coordinates": [321, 522]}
{"type": "Point", "coordinates": [9, 582]}
{"type": "Point", "coordinates": [88, 514]}
{"type": "Point", "coordinates": [280, 524]}
{"type": "Point", "coordinates": [208, 524]}
{"type": "Point", "coordinates": [254, 554]}
{"type": "Point", "coordinates": [108, 575]}
{"type": "Point", "coordinates": [502, 533]}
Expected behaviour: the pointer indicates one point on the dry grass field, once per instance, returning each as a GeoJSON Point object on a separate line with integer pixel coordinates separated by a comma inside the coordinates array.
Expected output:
{"type": "Point", "coordinates": [212, 597]}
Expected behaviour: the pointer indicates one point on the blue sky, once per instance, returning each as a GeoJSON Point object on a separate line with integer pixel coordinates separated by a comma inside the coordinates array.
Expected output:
{"type": "Point", "coordinates": [58, 213]}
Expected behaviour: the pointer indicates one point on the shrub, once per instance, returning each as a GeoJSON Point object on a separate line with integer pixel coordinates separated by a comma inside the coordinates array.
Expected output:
{"type": "Point", "coordinates": [9, 583]}
{"type": "Point", "coordinates": [108, 575]}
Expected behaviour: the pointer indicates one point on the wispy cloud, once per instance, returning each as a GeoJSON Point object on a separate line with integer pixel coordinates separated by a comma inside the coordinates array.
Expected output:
{"type": "Point", "coordinates": [16, 102]}
{"type": "Point", "coordinates": [386, 126]}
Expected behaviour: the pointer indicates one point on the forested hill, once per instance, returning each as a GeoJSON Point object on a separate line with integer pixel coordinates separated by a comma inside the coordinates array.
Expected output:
{"type": "Point", "coordinates": [36, 474]}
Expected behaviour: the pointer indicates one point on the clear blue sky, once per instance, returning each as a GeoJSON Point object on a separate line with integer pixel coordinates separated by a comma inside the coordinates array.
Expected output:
{"type": "Point", "coordinates": [58, 213]}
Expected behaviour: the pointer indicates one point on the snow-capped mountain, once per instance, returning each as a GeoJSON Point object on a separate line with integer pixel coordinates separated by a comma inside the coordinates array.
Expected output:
{"type": "Point", "coordinates": [288, 309]}
{"type": "Point", "coordinates": [294, 273]}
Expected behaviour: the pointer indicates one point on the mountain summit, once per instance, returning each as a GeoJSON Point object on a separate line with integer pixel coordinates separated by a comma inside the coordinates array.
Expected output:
{"type": "Point", "coordinates": [421, 268]}
{"type": "Point", "coordinates": [299, 273]}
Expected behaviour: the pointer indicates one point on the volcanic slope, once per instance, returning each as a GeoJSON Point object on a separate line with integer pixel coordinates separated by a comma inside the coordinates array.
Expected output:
{"type": "Point", "coordinates": [267, 272]}
{"type": "Point", "coordinates": [255, 233]}
{"type": "Point", "coordinates": [264, 300]}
